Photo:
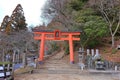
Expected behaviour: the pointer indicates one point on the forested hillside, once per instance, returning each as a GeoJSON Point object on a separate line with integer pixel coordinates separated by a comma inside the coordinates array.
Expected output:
{"type": "Point", "coordinates": [98, 19]}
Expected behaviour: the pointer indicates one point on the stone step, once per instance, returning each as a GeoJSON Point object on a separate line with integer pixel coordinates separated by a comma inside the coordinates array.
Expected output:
{"type": "Point", "coordinates": [59, 65]}
{"type": "Point", "coordinates": [55, 60]}
{"type": "Point", "coordinates": [55, 63]}
{"type": "Point", "coordinates": [53, 67]}
{"type": "Point", "coordinates": [74, 71]}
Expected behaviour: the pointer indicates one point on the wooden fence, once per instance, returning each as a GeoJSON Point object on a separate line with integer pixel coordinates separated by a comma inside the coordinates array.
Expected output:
{"type": "Point", "coordinates": [6, 72]}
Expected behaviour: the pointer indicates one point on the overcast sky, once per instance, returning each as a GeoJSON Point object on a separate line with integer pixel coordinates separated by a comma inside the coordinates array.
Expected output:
{"type": "Point", "coordinates": [31, 8]}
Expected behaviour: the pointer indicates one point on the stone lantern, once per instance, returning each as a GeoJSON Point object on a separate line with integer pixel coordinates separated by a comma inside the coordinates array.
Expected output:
{"type": "Point", "coordinates": [81, 58]}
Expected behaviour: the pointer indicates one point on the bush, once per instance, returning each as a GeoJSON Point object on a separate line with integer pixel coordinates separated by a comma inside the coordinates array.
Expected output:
{"type": "Point", "coordinates": [67, 49]}
{"type": "Point", "coordinates": [55, 47]}
{"type": "Point", "coordinates": [114, 51]}
{"type": "Point", "coordinates": [49, 52]}
{"type": "Point", "coordinates": [93, 44]}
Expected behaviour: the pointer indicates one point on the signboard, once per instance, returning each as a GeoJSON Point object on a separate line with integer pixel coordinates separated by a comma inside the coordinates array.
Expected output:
{"type": "Point", "coordinates": [57, 34]}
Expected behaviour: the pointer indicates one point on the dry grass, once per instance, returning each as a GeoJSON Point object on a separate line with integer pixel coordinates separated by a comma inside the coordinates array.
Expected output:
{"type": "Point", "coordinates": [23, 70]}
{"type": "Point", "coordinates": [110, 54]}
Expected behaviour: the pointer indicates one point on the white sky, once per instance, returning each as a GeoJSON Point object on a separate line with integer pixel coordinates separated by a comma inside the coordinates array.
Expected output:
{"type": "Point", "coordinates": [31, 8]}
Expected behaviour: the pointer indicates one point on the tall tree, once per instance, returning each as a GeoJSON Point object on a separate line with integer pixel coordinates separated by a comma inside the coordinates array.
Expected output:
{"type": "Point", "coordinates": [18, 18]}
{"type": "Point", "coordinates": [16, 22]}
{"type": "Point", "coordinates": [93, 27]}
{"type": "Point", "coordinates": [59, 11]}
{"type": "Point", "coordinates": [110, 10]}
{"type": "Point", "coordinates": [4, 23]}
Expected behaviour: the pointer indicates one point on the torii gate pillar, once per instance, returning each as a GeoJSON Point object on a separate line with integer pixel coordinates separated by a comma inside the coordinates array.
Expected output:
{"type": "Point", "coordinates": [56, 35]}
{"type": "Point", "coordinates": [41, 52]}
{"type": "Point", "coordinates": [71, 49]}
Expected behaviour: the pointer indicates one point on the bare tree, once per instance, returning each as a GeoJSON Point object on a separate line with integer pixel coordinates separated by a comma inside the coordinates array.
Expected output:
{"type": "Point", "coordinates": [16, 40]}
{"type": "Point", "coordinates": [58, 11]}
{"type": "Point", "coordinates": [110, 10]}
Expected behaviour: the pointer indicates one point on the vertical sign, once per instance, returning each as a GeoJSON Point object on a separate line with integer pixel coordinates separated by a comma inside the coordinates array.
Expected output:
{"type": "Point", "coordinates": [57, 34]}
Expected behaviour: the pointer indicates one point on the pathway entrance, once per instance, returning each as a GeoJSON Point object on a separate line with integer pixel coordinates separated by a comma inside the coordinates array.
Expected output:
{"type": "Point", "coordinates": [56, 35]}
{"type": "Point", "coordinates": [58, 65]}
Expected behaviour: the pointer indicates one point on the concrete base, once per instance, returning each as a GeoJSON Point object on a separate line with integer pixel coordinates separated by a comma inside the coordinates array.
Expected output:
{"type": "Point", "coordinates": [72, 62]}
{"type": "Point", "coordinates": [41, 62]}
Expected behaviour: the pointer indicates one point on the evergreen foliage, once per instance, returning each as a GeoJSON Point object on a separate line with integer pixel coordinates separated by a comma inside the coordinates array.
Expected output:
{"type": "Point", "coordinates": [4, 23]}
{"type": "Point", "coordinates": [110, 11]}
{"type": "Point", "coordinates": [18, 19]}
{"type": "Point", "coordinates": [93, 27]}
{"type": "Point", "coordinates": [78, 4]}
{"type": "Point", "coordinates": [15, 22]}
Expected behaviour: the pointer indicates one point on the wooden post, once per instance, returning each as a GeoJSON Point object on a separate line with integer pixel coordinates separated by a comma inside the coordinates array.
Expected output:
{"type": "Point", "coordinates": [18, 51]}
{"type": "Point", "coordinates": [24, 59]}
{"type": "Point", "coordinates": [3, 58]}
{"type": "Point", "coordinates": [13, 61]}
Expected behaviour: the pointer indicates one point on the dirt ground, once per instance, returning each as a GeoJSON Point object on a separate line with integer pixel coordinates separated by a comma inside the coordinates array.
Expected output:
{"type": "Point", "coordinates": [56, 68]}
{"type": "Point", "coordinates": [67, 77]}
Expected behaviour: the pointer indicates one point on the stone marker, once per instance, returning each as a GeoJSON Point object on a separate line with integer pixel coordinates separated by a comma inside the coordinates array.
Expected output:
{"type": "Point", "coordinates": [97, 55]}
{"type": "Point", "coordinates": [92, 52]}
{"type": "Point", "coordinates": [88, 52]}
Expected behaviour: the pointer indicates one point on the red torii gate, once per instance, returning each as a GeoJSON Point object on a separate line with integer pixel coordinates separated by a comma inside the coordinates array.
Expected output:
{"type": "Point", "coordinates": [56, 35]}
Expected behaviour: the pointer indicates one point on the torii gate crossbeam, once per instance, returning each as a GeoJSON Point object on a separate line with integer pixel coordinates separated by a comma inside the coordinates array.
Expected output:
{"type": "Point", "coordinates": [56, 35]}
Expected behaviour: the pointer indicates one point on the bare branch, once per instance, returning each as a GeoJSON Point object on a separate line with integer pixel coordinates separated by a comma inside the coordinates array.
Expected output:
{"type": "Point", "coordinates": [104, 12]}
{"type": "Point", "coordinates": [118, 25]}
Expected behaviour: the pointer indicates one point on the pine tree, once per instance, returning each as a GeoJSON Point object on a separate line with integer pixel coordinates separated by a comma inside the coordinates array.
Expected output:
{"type": "Point", "coordinates": [18, 19]}
{"type": "Point", "coordinates": [16, 22]}
{"type": "Point", "coordinates": [4, 23]}
{"type": "Point", "coordinates": [8, 28]}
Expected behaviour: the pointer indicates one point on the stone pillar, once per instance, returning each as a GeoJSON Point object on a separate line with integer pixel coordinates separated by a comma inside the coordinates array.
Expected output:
{"type": "Point", "coordinates": [97, 55]}
{"type": "Point", "coordinates": [81, 58]}
{"type": "Point", "coordinates": [88, 52]}
{"type": "Point", "coordinates": [89, 58]}
{"type": "Point", "coordinates": [92, 52]}
{"type": "Point", "coordinates": [92, 56]}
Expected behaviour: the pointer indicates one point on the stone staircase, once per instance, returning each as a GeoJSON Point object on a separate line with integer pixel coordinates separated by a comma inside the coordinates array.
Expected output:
{"type": "Point", "coordinates": [57, 65]}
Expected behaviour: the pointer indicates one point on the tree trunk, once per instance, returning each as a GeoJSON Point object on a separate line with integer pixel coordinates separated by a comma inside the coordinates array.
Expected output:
{"type": "Point", "coordinates": [3, 58]}
{"type": "Point", "coordinates": [113, 41]}
{"type": "Point", "coordinates": [13, 60]}
{"type": "Point", "coordinates": [24, 59]}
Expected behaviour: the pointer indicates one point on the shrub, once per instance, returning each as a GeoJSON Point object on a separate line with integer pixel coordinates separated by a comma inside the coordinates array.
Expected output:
{"type": "Point", "coordinates": [114, 51]}
{"type": "Point", "coordinates": [54, 46]}
{"type": "Point", "coordinates": [67, 49]}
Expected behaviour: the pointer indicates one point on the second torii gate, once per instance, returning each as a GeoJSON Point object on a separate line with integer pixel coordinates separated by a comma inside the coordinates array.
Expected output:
{"type": "Point", "coordinates": [56, 35]}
